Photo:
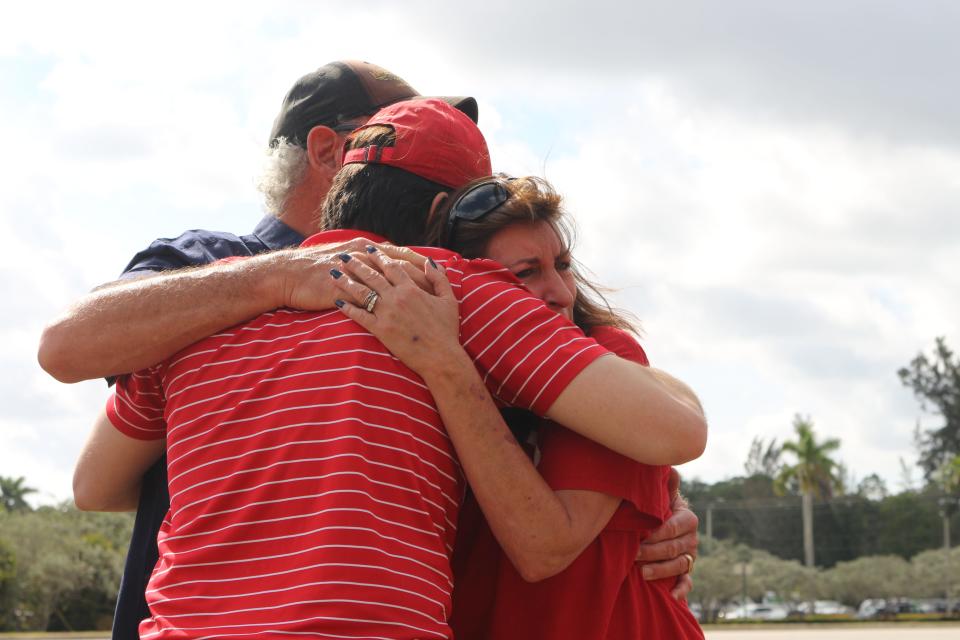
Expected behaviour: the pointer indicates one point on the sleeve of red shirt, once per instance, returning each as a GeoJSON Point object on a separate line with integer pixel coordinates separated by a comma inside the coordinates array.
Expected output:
{"type": "Point", "coordinates": [570, 461]}
{"type": "Point", "coordinates": [527, 353]}
{"type": "Point", "coordinates": [135, 408]}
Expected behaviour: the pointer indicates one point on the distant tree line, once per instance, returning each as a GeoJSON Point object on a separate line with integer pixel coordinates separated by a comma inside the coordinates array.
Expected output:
{"type": "Point", "coordinates": [59, 568]}
{"type": "Point", "coordinates": [794, 500]}
{"type": "Point", "coordinates": [804, 532]}
{"type": "Point", "coordinates": [726, 572]}
{"type": "Point", "coordinates": [747, 510]}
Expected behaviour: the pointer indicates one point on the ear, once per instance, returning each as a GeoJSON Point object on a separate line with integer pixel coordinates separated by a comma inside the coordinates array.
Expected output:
{"type": "Point", "coordinates": [435, 205]}
{"type": "Point", "coordinates": [323, 149]}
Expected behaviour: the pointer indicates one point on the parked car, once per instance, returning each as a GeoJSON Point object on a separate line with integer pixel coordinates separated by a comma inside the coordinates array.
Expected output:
{"type": "Point", "coordinates": [825, 608]}
{"type": "Point", "coordinates": [753, 611]}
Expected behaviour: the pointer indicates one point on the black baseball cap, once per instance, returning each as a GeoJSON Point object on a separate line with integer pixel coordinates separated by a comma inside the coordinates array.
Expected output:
{"type": "Point", "coordinates": [341, 91]}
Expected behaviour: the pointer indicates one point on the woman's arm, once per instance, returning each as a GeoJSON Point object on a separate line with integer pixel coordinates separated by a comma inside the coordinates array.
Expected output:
{"type": "Point", "coordinates": [540, 530]}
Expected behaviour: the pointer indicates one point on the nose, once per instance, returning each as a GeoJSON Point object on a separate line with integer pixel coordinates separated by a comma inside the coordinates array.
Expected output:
{"type": "Point", "coordinates": [559, 294]}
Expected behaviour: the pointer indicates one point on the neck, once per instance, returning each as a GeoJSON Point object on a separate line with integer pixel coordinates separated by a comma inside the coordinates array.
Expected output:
{"type": "Point", "coordinates": [301, 211]}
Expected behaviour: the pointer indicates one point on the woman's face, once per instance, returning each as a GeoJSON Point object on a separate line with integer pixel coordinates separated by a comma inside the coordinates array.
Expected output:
{"type": "Point", "coordinates": [537, 257]}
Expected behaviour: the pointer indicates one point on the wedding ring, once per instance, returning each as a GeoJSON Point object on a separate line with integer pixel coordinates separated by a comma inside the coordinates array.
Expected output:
{"type": "Point", "coordinates": [371, 302]}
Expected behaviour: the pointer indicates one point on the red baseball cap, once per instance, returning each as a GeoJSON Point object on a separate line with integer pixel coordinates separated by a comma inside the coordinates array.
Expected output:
{"type": "Point", "coordinates": [434, 141]}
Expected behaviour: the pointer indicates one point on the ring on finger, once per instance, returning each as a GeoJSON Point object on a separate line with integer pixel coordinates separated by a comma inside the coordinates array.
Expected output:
{"type": "Point", "coordinates": [371, 302]}
{"type": "Point", "coordinates": [689, 562]}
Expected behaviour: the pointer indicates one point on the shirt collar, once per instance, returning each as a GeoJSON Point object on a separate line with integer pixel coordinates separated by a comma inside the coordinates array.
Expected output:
{"type": "Point", "coordinates": [340, 235]}
{"type": "Point", "coordinates": [275, 234]}
{"type": "Point", "coordinates": [343, 235]}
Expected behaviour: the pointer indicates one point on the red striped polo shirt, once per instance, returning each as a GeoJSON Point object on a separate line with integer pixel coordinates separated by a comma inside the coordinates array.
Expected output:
{"type": "Point", "coordinates": [313, 488]}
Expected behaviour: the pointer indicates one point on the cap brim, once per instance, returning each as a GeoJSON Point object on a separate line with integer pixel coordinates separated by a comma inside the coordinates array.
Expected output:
{"type": "Point", "coordinates": [464, 103]}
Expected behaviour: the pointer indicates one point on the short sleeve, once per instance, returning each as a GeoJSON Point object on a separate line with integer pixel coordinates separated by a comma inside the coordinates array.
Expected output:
{"type": "Point", "coordinates": [192, 248]}
{"type": "Point", "coordinates": [570, 461]}
{"type": "Point", "coordinates": [136, 406]}
{"type": "Point", "coordinates": [527, 353]}
{"type": "Point", "coordinates": [620, 343]}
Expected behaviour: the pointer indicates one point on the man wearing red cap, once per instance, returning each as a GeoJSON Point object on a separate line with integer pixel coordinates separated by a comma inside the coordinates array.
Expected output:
{"type": "Point", "coordinates": [313, 488]}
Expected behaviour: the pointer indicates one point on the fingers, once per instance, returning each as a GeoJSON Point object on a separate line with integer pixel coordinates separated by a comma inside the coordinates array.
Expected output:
{"type": "Point", "coordinates": [402, 253]}
{"type": "Point", "coordinates": [351, 290]}
{"type": "Point", "coordinates": [360, 271]}
{"type": "Point", "coordinates": [668, 549]}
{"type": "Point", "coordinates": [356, 314]}
{"type": "Point", "coordinates": [683, 587]}
{"type": "Point", "coordinates": [437, 277]}
{"type": "Point", "coordinates": [682, 522]}
{"type": "Point", "coordinates": [399, 272]}
{"type": "Point", "coordinates": [666, 568]}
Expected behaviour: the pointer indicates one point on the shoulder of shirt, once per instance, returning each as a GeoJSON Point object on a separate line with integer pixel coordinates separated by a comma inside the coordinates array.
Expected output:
{"type": "Point", "coordinates": [203, 236]}
{"type": "Point", "coordinates": [190, 248]}
{"type": "Point", "coordinates": [621, 343]}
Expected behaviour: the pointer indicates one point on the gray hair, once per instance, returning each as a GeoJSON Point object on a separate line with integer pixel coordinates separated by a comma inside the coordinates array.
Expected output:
{"type": "Point", "coordinates": [283, 169]}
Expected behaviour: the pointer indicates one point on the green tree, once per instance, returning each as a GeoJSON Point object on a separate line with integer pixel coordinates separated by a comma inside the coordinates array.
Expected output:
{"type": "Point", "coordinates": [66, 567]}
{"type": "Point", "coordinates": [948, 477]}
{"type": "Point", "coordinates": [868, 577]}
{"type": "Point", "coordinates": [12, 492]}
{"type": "Point", "coordinates": [872, 487]}
{"type": "Point", "coordinates": [936, 573]}
{"type": "Point", "coordinates": [936, 383]}
{"type": "Point", "coordinates": [8, 575]}
{"type": "Point", "coordinates": [814, 474]}
{"type": "Point", "coordinates": [907, 524]}
{"type": "Point", "coordinates": [762, 460]}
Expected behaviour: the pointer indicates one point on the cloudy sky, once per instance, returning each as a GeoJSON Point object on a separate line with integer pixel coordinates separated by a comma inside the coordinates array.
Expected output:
{"type": "Point", "coordinates": [772, 187]}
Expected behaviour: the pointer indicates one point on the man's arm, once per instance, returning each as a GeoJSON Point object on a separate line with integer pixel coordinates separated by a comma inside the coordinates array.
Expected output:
{"type": "Point", "coordinates": [132, 324]}
{"type": "Point", "coordinates": [110, 467]}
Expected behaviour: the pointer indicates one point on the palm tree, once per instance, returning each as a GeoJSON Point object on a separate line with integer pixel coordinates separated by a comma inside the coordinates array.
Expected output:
{"type": "Point", "coordinates": [814, 474]}
{"type": "Point", "coordinates": [12, 494]}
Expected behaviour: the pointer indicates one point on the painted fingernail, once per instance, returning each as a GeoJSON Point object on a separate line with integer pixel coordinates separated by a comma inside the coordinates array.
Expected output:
{"type": "Point", "coordinates": [338, 302]}
{"type": "Point", "coordinates": [432, 263]}
{"type": "Point", "coordinates": [344, 257]}
{"type": "Point", "coordinates": [371, 248]}
{"type": "Point", "coordinates": [335, 273]}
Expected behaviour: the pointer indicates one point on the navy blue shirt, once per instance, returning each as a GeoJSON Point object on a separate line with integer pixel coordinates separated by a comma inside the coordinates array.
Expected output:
{"type": "Point", "coordinates": [192, 248]}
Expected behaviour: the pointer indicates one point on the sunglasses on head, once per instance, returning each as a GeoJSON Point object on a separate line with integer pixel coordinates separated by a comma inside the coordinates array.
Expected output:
{"type": "Point", "coordinates": [477, 202]}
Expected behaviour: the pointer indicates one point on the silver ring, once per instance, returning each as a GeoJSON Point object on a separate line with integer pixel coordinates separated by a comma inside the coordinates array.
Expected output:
{"type": "Point", "coordinates": [371, 301]}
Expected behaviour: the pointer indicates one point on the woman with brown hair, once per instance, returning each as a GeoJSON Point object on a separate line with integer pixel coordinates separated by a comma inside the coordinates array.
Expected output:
{"type": "Point", "coordinates": [569, 528]}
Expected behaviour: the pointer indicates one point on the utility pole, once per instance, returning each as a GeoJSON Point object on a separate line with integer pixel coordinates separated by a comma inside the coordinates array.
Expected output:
{"type": "Point", "coordinates": [710, 508]}
{"type": "Point", "coordinates": [807, 507]}
{"type": "Point", "coordinates": [948, 506]}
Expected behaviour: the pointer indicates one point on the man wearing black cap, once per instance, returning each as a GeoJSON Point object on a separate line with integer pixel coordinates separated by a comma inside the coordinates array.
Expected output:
{"type": "Point", "coordinates": [162, 314]}
{"type": "Point", "coordinates": [157, 316]}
